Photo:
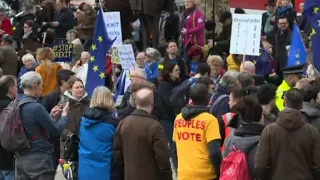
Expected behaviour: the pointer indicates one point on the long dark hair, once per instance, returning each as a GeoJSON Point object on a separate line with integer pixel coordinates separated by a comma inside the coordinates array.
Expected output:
{"type": "Point", "coordinates": [49, 9]}
{"type": "Point", "coordinates": [168, 68]}
{"type": "Point", "coordinates": [249, 109]}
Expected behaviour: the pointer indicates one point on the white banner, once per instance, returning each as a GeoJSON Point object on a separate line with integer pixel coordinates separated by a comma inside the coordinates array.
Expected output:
{"type": "Point", "coordinates": [113, 24]}
{"type": "Point", "coordinates": [246, 34]}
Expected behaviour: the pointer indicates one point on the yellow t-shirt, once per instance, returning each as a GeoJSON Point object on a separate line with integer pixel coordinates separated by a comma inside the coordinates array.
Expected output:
{"type": "Point", "coordinates": [192, 138]}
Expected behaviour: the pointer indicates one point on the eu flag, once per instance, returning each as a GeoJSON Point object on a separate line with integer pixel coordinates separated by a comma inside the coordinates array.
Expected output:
{"type": "Point", "coordinates": [312, 13]}
{"type": "Point", "coordinates": [100, 46]}
{"type": "Point", "coordinates": [298, 53]}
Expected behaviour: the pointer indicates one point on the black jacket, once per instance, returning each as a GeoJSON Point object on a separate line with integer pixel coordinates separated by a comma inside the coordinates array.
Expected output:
{"type": "Point", "coordinates": [312, 114]}
{"type": "Point", "coordinates": [20, 23]}
{"type": "Point", "coordinates": [125, 108]}
{"type": "Point", "coordinates": [66, 21]}
{"type": "Point", "coordinates": [164, 90]}
{"type": "Point", "coordinates": [280, 42]}
{"type": "Point", "coordinates": [171, 31]}
{"type": "Point", "coordinates": [51, 100]}
{"type": "Point", "coordinates": [182, 66]}
{"type": "Point", "coordinates": [6, 158]}
{"type": "Point", "coordinates": [223, 40]}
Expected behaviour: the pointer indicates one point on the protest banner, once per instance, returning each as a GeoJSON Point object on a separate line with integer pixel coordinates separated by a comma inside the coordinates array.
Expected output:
{"type": "Point", "coordinates": [113, 24]}
{"type": "Point", "coordinates": [115, 56]}
{"type": "Point", "coordinates": [123, 55]}
{"type": "Point", "coordinates": [246, 34]}
{"type": "Point", "coordinates": [62, 51]}
{"type": "Point", "coordinates": [127, 57]}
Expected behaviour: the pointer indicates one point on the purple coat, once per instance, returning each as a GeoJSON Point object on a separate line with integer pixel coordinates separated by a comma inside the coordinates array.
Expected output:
{"type": "Point", "coordinates": [195, 25]}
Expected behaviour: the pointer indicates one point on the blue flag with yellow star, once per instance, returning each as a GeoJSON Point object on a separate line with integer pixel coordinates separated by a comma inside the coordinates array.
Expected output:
{"type": "Point", "coordinates": [312, 13]}
{"type": "Point", "coordinates": [298, 53]}
{"type": "Point", "coordinates": [100, 46]}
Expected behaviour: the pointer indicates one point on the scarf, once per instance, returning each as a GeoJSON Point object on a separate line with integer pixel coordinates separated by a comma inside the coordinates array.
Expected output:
{"type": "Point", "coordinates": [284, 9]}
{"type": "Point", "coordinates": [268, 28]}
{"type": "Point", "coordinates": [187, 13]}
{"type": "Point", "coordinates": [26, 35]}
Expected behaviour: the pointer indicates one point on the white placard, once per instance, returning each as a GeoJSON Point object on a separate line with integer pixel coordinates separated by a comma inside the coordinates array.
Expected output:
{"type": "Point", "coordinates": [113, 24]}
{"type": "Point", "coordinates": [126, 56]}
{"type": "Point", "coordinates": [246, 34]}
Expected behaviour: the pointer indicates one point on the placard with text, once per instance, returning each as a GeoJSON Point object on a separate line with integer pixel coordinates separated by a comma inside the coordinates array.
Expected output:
{"type": "Point", "coordinates": [63, 51]}
{"type": "Point", "coordinates": [112, 21]}
{"type": "Point", "coordinates": [246, 34]}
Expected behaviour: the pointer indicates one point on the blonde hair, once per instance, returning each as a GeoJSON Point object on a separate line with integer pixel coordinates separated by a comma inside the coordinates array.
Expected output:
{"type": "Point", "coordinates": [215, 60]}
{"type": "Point", "coordinates": [46, 56]}
{"type": "Point", "coordinates": [102, 98]}
{"type": "Point", "coordinates": [279, 3]}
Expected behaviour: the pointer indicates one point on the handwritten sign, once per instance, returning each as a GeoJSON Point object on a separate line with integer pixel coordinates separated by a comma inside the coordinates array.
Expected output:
{"type": "Point", "coordinates": [127, 57]}
{"type": "Point", "coordinates": [113, 24]}
{"type": "Point", "coordinates": [115, 57]}
{"type": "Point", "coordinates": [63, 52]}
{"type": "Point", "coordinates": [246, 34]}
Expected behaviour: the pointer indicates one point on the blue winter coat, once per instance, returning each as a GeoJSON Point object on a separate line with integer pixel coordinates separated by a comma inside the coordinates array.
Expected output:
{"type": "Point", "coordinates": [96, 133]}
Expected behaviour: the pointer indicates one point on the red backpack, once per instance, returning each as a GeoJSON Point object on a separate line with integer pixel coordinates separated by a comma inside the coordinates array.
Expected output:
{"type": "Point", "coordinates": [235, 166]}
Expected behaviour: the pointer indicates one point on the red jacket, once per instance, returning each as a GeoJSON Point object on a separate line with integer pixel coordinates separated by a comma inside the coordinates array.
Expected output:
{"type": "Point", "coordinates": [6, 26]}
{"type": "Point", "coordinates": [108, 66]}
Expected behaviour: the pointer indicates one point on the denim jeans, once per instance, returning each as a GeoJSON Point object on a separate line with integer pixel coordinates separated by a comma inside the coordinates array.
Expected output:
{"type": "Point", "coordinates": [168, 127]}
{"type": "Point", "coordinates": [6, 175]}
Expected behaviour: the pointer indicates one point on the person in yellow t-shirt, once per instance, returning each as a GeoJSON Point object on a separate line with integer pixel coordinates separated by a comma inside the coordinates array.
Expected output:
{"type": "Point", "coordinates": [197, 137]}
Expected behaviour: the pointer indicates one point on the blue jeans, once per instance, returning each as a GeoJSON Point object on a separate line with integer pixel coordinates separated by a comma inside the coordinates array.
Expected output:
{"type": "Point", "coordinates": [168, 127]}
{"type": "Point", "coordinates": [6, 175]}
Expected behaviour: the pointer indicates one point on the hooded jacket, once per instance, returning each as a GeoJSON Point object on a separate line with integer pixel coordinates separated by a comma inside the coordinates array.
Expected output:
{"type": "Point", "coordinates": [289, 149]}
{"type": "Point", "coordinates": [245, 138]}
{"type": "Point", "coordinates": [312, 114]}
{"type": "Point", "coordinates": [96, 134]}
{"type": "Point", "coordinates": [197, 137]}
{"type": "Point", "coordinates": [76, 110]}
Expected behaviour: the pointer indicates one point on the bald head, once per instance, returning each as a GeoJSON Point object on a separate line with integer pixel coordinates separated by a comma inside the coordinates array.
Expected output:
{"type": "Point", "coordinates": [144, 99]}
{"type": "Point", "coordinates": [136, 74]}
{"type": "Point", "coordinates": [249, 67]}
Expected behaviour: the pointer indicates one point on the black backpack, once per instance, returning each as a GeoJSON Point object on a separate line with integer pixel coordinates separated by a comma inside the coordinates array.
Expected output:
{"type": "Point", "coordinates": [180, 95]}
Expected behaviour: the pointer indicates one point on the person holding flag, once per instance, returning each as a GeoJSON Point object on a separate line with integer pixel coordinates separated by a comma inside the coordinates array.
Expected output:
{"type": "Point", "coordinates": [312, 13]}
{"type": "Point", "coordinates": [293, 71]}
{"type": "Point", "coordinates": [99, 48]}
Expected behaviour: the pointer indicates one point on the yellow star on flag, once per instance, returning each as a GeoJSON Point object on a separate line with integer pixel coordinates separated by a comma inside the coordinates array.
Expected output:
{"type": "Point", "coordinates": [313, 32]}
{"type": "Point", "coordinates": [297, 55]}
{"type": "Point", "coordinates": [95, 68]}
{"type": "Point", "coordinates": [102, 76]}
{"type": "Point", "coordinates": [100, 39]}
{"type": "Point", "coordinates": [92, 58]}
{"type": "Point", "coordinates": [297, 62]}
{"type": "Point", "coordinates": [315, 10]}
{"type": "Point", "coordinates": [93, 47]}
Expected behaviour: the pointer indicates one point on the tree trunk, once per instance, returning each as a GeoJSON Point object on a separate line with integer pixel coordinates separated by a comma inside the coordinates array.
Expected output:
{"type": "Point", "coordinates": [220, 6]}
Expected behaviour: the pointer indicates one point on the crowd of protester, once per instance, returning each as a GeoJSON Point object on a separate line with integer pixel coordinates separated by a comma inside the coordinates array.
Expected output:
{"type": "Point", "coordinates": [190, 105]}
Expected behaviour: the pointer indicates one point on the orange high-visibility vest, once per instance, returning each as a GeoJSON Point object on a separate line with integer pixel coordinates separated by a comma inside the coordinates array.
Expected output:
{"type": "Point", "coordinates": [228, 130]}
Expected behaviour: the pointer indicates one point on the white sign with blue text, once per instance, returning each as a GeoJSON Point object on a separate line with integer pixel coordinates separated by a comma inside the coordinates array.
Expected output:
{"type": "Point", "coordinates": [113, 24]}
{"type": "Point", "coordinates": [246, 34]}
